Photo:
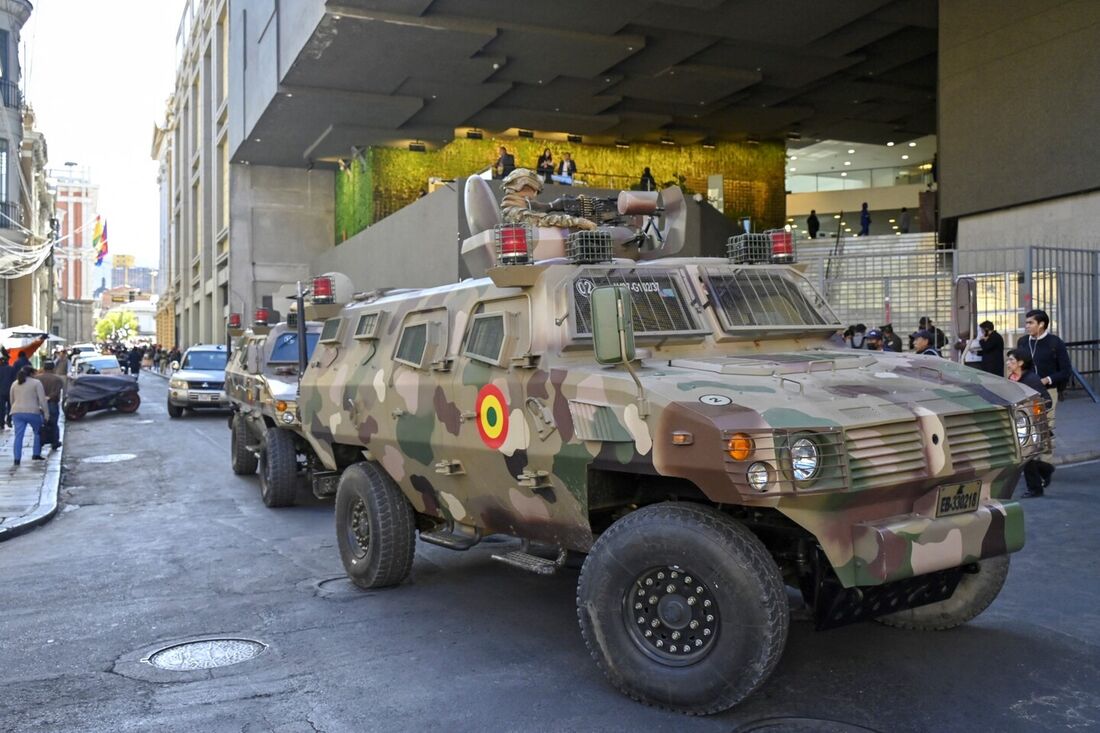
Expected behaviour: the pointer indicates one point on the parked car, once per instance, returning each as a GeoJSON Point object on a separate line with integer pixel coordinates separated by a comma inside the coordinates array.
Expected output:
{"type": "Point", "coordinates": [198, 381]}
{"type": "Point", "coordinates": [97, 364]}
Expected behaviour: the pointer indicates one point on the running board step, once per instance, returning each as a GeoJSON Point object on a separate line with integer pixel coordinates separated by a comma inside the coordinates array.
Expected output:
{"type": "Point", "coordinates": [531, 563]}
{"type": "Point", "coordinates": [453, 538]}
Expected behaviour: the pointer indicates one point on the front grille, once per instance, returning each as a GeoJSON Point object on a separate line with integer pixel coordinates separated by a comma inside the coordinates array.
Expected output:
{"type": "Point", "coordinates": [980, 439]}
{"type": "Point", "coordinates": [205, 385]}
{"type": "Point", "coordinates": [885, 454]}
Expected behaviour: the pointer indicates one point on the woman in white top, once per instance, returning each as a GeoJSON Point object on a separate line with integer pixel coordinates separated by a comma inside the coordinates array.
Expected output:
{"type": "Point", "coordinates": [28, 407]}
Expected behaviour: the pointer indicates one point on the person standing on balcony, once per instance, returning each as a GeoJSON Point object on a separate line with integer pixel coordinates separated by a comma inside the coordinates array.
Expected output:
{"type": "Point", "coordinates": [567, 168]}
{"type": "Point", "coordinates": [813, 226]}
{"type": "Point", "coordinates": [647, 181]}
{"type": "Point", "coordinates": [864, 221]}
{"type": "Point", "coordinates": [904, 221]}
{"type": "Point", "coordinates": [545, 166]}
{"type": "Point", "coordinates": [505, 164]}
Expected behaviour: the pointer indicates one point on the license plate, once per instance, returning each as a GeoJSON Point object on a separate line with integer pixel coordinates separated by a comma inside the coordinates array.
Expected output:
{"type": "Point", "coordinates": [958, 498]}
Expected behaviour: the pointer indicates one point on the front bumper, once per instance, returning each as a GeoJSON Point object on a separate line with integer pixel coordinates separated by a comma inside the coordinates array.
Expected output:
{"type": "Point", "coordinates": [197, 398]}
{"type": "Point", "coordinates": [902, 547]}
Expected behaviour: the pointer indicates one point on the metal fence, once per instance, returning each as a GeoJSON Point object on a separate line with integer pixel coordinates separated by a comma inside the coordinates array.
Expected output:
{"type": "Point", "coordinates": [900, 281]}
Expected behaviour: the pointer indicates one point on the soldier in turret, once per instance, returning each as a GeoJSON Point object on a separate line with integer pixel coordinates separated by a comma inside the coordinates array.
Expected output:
{"type": "Point", "coordinates": [520, 205]}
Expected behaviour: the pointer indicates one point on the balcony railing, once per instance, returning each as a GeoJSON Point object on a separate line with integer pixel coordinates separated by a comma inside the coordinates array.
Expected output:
{"type": "Point", "coordinates": [11, 215]}
{"type": "Point", "coordinates": [9, 90]}
{"type": "Point", "coordinates": [866, 178]}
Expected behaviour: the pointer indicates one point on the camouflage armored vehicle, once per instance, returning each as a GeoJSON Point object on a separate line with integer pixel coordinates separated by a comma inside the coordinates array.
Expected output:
{"type": "Point", "coordinates": [684, 424]}
{"type": "Point", "coordinates": [261, 383]}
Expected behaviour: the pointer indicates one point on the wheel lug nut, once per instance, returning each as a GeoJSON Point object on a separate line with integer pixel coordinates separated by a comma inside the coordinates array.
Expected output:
{"type": "Point", "coordinates": [670, 588]}
{"type": "Point", "coordinates": [654, 623]}
{"type": "Point", "coordinates": [648, 633]}
{"type": "Point", "coordinates": [706, 603]}
{"type": "Point", "coordinates": [660, 643]}
{"type": "Point", "coordinates": [675, 635]}
{"type": "Point", "coordinates": [649, 581]}
{"type": "Point", "coordinates": [672, 647]}
{"type": "Point", "coordinates": [660, 576]}
{"type": "Point", "coordinates": [674, 574]}
{"type": "Point", "coordinates": [691, 601]}
{"type": "Point", "coordinates": [641, 592]}
{"type": "Point", "coordinates": [641, 619]}
{"type": "Point", "coordinates": [706, 632]}
{"type": "Point", "coordinates": [694, 624]}
{"type": "Point", "coordinates": [687, 579]}
{"type": "Point", "coordinates": [699, 589]}
{"type": "Point", "coordinates": [652, 600]}
{"type": "Point", "coordinates": [698, 642]}
{"type": "Point", "coordinates": [637, 606]}
{"type": "Point", "coordinates": [709, 618]}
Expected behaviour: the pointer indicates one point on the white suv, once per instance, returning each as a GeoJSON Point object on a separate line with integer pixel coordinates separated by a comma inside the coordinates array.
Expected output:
{"type": "Point", "coordinates": [199, 380]}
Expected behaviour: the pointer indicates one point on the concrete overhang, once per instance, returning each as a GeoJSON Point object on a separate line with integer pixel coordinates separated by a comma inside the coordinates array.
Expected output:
{"type": "Point", "coordinates": [387, 72]}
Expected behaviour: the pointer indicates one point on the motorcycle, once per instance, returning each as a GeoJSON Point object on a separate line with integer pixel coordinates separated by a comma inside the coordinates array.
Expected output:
{"type": "Point", "coordinates": [91, 392]}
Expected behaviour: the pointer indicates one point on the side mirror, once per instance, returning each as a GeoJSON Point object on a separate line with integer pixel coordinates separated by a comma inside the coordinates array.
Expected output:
{"type": "Point", "coordinates": [612, 324]}
{"type": "Point", "coordinates": [174, 365]}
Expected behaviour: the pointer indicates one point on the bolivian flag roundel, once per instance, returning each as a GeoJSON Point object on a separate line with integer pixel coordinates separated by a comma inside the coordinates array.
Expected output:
{"type": "Point", "coordinates": [492, 416]}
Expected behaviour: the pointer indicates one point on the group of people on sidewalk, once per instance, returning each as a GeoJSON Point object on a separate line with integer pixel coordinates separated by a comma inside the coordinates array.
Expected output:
{"type": "Point", "coordinates": [30, 399]}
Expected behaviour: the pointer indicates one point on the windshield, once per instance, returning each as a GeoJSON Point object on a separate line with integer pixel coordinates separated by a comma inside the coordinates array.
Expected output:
{"type": "Point", "coordinates": [659, 306]}
{"type": "Point", "coordinates": [766, 297]}
{"type": "Point", "coordinates": [285, 350]}
{"type": "Point", "coordinates": [212, 360]}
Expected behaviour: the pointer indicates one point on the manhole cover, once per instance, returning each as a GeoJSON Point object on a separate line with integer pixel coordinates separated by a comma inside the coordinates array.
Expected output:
{"type": "Point", "coordinates": [206, 654]}
{"type": "Point", "coordinates": [110, 458]}
{"type": "Point", "coordinates": [800, 725]}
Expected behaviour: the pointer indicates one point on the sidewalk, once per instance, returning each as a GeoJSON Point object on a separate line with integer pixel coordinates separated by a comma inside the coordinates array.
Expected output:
{"type": "Point", "coordinates": [1076, 430]}
{"type": "Point", "coordinates": [28, 492]}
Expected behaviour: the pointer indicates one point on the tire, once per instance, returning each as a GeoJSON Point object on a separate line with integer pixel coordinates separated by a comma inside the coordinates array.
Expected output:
{"type": "Point", "coordinates": [242, 459]}
{"type": "Point", "coordinates": [128, 403]}
{"type": "Point", "coordinates": [375, 527]}
{"type": "Point", "coordinates": [174, 411]}
{"type": "Point", "coordinates": [731, 652]}
{"type": "Point", "coordinates": [76, 410]}
{"type": "Point", "coordinates": [974, 594]}
{"type": "Point", "coordinates": [278, 465]}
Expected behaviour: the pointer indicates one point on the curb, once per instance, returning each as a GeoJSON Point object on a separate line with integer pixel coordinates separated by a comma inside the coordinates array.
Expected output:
{"type": "Point", "coordinates": [48, 495]}
{"type": "Point", "coordinates": [1076, 458]}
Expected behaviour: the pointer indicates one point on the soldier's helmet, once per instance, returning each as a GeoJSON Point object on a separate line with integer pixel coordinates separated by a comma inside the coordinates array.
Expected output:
{"type": "Point", "coordinates": [521, 178]}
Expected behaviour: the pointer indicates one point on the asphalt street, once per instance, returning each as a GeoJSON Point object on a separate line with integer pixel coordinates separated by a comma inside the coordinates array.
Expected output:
{"type": "Point", "coordinates": [158, 542]}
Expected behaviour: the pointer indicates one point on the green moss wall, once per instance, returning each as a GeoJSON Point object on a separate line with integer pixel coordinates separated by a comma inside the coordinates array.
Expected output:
{"type": "Point", "coordinates": [392, 178]}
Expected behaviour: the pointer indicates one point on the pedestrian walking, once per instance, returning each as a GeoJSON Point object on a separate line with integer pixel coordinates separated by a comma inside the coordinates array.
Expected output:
{"type": "Point", "coordinates": [135, 357]}
{"type": "Point", "coordinates": [1037, 471]}
{"type": "Point", "coordinates": [922, 343]}
{"type": "Point", "coordinates": [904, 221]}
{"type": "Point", "coordinates": [813, 226]}
{"type": "Point", "coordinates": [1051, 359]}
{"type": "Point", "coordinates": [864, 221]}
{"type": "Point", "coordinates": [7, 376]}
{"type": "Point", "coordinates": [28, 409]}
{"type": "Point", "coordinates": [893, 341]}
{"type": "Point", "coordinates": [52, 385]}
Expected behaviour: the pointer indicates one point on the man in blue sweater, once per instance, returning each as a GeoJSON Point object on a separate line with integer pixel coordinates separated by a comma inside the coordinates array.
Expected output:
{"type": "Point", "coordinates": [1051, 359]}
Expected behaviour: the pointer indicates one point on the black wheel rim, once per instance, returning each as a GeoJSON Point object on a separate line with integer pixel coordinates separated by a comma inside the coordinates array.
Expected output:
{"type": "Point", "coordinates": [671, 615]}
{"type": "Point", "coordinates": [358, 529]}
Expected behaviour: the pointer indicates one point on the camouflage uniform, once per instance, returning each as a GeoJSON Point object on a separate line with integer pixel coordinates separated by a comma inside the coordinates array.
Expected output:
{"type": "Point", "coordinates": [515, 209]}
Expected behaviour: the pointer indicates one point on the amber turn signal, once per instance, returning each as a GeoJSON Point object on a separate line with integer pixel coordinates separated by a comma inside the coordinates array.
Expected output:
{"type": "Point", "coordinates": [1037, 407]}
{"type": "Point", "coordinates": [740, 447]}
{"type": "Point", "coordinates": [682, 437]}
{"type": "Point", "coordinates": [280, 406]}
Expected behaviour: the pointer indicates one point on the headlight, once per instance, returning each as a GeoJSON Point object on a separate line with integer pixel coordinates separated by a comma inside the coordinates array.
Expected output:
{"type": "Point", "coordinates": [1023, 427]}
{"type": "Point", "coordinates": [288, 417]}
{"type": "Point", "coordinates": [805, 459]}
{"type": "Point", "coordinates": [178, 383]}
{"type": "Point", "coordinates": [758, 476]}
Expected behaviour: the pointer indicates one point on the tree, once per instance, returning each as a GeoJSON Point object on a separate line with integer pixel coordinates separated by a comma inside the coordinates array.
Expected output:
{"type": "Point", "coordinates": [116, 326]}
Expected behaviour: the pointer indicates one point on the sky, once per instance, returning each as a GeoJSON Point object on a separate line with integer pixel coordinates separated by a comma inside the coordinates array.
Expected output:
{"type": "Point", "coordinates": [98, 75]}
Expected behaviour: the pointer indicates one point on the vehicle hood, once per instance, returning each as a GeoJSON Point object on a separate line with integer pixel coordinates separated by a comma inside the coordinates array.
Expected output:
{"type": "Point", "coordinates": [200, 375]}
{"type": "Point", "coordinates": [831, 388]}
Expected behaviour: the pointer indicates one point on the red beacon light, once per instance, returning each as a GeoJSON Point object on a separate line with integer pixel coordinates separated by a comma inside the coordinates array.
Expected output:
{"type": "Point", "coordinates": [782, 245]}
{"type": "Point", "coordinates": [234, 320]}
{"type": "Point", "coordinates": [261, 317]}
{"type": "Point", "coordinates": [322, 290]}
{"type": "Point", "coordinates": [513, 245]}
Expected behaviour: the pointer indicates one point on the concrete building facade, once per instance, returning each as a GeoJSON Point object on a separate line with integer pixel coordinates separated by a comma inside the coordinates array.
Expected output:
{"type": "Point", "coordinates": [193, 175]}
{"type": "Point", "coordinates": [76, 199]}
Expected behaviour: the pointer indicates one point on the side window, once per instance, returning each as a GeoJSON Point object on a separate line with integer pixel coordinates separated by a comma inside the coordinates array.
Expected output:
{"type": "Point", "coordinates": [413, 343]}
{"type": "Point", "coordinates": [499, 332]}
{"type": "Point", "coordinates": [332, 331]}
{"type": "Point", "coordinates": [486, 339]}
{"type": "Point", "coordinates": [420, 343]}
